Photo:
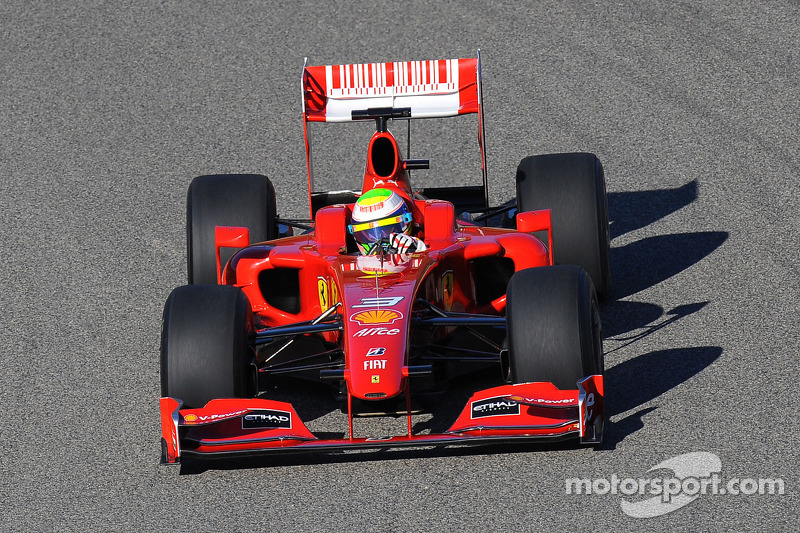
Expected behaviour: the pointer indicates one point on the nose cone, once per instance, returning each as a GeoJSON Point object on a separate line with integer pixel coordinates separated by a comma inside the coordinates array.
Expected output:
{"type": "Point", "coordinates": [376, 348]}
{"type": "Point", "coordinates": [378, 300]}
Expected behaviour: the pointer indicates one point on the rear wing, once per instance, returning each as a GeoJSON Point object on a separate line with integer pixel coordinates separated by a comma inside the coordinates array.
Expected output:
{"type": "Point", "coordinates": [437, 88]}
{"type": "Point", "coordinates": [421, 89]}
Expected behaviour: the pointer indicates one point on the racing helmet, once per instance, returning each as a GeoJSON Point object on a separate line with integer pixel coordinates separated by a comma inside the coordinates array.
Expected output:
{"type": "Point", "coordinates": [377, 214]}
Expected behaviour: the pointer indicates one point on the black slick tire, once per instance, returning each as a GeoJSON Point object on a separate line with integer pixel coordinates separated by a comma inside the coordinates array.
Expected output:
{"type": "Point", "coordinates": [554, 331]}
{"type": "Point", "coordinates": [206, 345]}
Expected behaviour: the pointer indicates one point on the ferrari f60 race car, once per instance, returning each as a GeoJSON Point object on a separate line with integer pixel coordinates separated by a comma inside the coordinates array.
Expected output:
{"type": "Point", "coordinates": [510, 291]}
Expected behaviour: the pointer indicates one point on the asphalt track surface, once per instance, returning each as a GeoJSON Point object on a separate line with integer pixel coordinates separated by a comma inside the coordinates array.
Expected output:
{"type": "Point", "coordinates": [108, 109]}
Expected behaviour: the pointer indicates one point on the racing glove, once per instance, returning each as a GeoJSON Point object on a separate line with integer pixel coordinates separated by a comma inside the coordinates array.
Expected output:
{"type": "Point", "coordinates": [406, 244]}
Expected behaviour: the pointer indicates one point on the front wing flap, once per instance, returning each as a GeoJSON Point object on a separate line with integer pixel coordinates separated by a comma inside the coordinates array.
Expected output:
{"type": "Point", "coordinates": [527, 411]}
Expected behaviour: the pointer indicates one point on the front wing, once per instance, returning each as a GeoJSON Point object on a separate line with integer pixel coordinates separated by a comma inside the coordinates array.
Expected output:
{"type": "Point", "coordinates": [527, 411]}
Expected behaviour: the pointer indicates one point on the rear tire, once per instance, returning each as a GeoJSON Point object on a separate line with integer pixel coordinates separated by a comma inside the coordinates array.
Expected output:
{"type": "Point", "coordinates": [206, 345]}
{"type": "Point", "coordinates": [573, 187]}
{"type": "Point", "coordinates": [554, 331]}
{"type": "Point", "coordinates": [246, 200]}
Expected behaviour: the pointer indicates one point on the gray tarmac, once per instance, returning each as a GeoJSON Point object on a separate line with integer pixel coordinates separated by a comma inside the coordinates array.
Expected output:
{"type": "Point", "coordinates": [108, 109]}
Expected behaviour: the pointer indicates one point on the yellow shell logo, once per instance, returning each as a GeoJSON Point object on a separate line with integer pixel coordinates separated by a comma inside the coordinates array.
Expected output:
{"type": "Point", "coordinates": [190, 418]}
{"type": "Point", "coordinates": [376, 316]}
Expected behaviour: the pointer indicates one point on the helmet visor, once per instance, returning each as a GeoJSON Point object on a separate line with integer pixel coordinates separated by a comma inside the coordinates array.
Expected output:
{"type": "Point", "coordinates": [372, 232]}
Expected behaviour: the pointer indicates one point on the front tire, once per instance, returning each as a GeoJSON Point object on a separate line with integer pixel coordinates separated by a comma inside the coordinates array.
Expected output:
{"type": "Point", "coordinates": [206, 345]}
{"type": "Point", "coordinates": [554, 331]}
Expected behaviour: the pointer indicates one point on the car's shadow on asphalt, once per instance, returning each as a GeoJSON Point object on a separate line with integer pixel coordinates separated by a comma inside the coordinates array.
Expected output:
{"type": "Point", "coordinates": [635, 267]}
{"type": "Point", "coordinates": [645, 263]}
{"type": "Point", "coordinates": [629, 211]}
{"type": "Point", "coordinates": [635, 382]}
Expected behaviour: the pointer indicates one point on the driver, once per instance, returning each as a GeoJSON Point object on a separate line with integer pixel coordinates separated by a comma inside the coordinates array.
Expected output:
{"type": "Point", "coordinates": [382, 220]}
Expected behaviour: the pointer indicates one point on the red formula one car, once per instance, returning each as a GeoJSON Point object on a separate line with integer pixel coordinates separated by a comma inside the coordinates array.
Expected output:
{"type": "Point", "coordinates": [511, 291]}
